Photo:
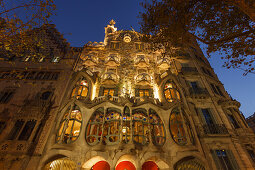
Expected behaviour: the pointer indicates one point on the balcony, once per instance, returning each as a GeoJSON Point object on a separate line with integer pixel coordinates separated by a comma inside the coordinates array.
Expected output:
{"type": "Point", "coordinates": [141, 61]}
{"type": "Point", "coordinates": [143, 79]}
{"type": "Point", "coordinates": [163, 62]}
{"type": "Point", "coordinates": [110, 78]}
{"type": "Point", "coordinates": [89, 60]}
{"type": "Point", "coordinates": [112, 60]}
{"type": "Point", "coordinates": [189, 70]}
{"type": "Point", "coordinates": [211, 129]}
{"type": "Point", "coordinates": [179, 55]}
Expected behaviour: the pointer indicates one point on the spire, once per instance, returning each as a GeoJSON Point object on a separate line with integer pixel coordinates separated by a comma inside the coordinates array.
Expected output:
{"type": "Point", "coordinates": [112, 22]}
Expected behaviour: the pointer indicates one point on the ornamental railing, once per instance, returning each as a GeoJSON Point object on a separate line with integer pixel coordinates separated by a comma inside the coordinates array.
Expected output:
{"type": "Point", "coordinates": [215, 129]}
{"type": "Point", "coordinates": [198, 91]}
{"type": "Point", "coordinates": [189, 70]}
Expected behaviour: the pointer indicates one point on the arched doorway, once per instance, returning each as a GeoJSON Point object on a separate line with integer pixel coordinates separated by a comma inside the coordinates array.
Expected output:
{"type": "Point", "coordinates": [125, 165]}
{"type": "Point", "coordinates": [191, 163]}
{"type": "Point", "coordinates": [101, 165]}
{"type": "Point", "coordinates": [150, 165]}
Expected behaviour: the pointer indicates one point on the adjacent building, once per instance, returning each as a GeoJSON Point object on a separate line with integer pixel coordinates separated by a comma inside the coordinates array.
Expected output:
{"type": "Point", "coordinates": [251, 121]}
{"type": "Point", "coordinates": [119, 105]}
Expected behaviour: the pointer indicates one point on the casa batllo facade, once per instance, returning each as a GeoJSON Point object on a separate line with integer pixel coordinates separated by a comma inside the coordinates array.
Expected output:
{"type": "Point", "coordinates": [119, 105]}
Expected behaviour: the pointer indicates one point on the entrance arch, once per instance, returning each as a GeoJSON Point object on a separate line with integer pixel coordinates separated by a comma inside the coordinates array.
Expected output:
{"type": "Point", "coordinates": [150, 165]}
{"type": "Point", "coordinates": [101, 165]}
{"type": "Point", "coordinates": [125, 165]}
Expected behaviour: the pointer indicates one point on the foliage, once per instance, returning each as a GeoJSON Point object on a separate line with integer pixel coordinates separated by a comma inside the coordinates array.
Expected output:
{"type": "Point", "coordinates": [18, 20]}
{"type": "Point", "coordinates": [220, 25]}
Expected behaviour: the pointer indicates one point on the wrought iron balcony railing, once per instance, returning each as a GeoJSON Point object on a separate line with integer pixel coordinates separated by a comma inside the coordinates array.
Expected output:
{"type": "Point", "coordinates": [198, 91]}
{"type": "Point", "coordinates": [215, 129]}
{"type": "Point", "coordinates": [189, 70]}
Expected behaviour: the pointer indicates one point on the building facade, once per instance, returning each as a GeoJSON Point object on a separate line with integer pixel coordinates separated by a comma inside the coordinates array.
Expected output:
{"type": "Point", "coordinates": [251, 122]}
{"type": "Point", "coordinates": [120, 105]}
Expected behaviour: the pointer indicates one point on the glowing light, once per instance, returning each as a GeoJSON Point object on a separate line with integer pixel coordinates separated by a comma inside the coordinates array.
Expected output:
{"type": "Point", "coordinates": [124, 130]}
{"type": "Point", "coordinates": [94, 91]}
{"type": "Point", "coordinates": [156, 91]}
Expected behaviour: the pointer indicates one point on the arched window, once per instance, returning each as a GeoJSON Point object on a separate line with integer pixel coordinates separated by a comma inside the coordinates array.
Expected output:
{"type": "Point", "coordinates": [140, 127]}
{"type": "Point", "coordinates": [112, 126]}
{"type": "Point", "coordinates": [126, 125]}
{"type": "Point", "coordinates": [157, 128]}
{"type": "Point", "coordinates": [80, 89]}
{"type": "Point", "coordinates": [70, 125]}
{"type": "Point", "coordinates": [189, 163]}
{"type": "Point", "coordinates": [62, 163]}
{"type": "Point", "coordinates": [170, 91]}
{"type": "Point", "coordinates": [176, 127]}
{"type": "Point", "coordinates": [94, 128]}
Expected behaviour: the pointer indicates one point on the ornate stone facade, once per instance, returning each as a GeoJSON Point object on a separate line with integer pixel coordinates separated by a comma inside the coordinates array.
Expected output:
{"type": "Point", "coordinates": [123, 106]}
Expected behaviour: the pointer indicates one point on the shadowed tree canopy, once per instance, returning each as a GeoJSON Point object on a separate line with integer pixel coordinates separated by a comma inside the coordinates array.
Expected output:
{"type": "Point", "coordinates": [226, 26]}
{"type": "Point", "coordinates": [18, 20]}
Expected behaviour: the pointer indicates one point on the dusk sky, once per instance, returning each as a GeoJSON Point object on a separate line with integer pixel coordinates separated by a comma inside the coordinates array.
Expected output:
{"type": "Point", "coordinates": [82, 21]}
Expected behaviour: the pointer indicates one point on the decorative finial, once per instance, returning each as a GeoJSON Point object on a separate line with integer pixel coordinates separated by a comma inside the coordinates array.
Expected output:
{"type": "Point", "coordinates": [112, 22]}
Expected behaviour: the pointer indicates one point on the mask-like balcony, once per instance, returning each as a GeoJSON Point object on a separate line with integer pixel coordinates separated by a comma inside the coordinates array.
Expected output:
{"type": "Point", "coordinates": [141, 61]}
{"type": "Point", "coordinates": [89, 60]}
{"type": "Point", "coordinates": [112, 60]}
{"type": "Point", "coordinates": [110, 78]}
{"type": "Point", "coordinates": [163, 62]}
{"type": "Point", "coordinates": [143, 79]}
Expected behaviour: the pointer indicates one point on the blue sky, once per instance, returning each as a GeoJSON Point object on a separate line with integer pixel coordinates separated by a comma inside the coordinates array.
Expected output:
{"type": "Point", "coordinates": [84, 20]}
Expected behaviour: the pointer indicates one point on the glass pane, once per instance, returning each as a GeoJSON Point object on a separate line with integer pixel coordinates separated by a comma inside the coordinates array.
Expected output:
{"type": "Point", "coordinates": [84, 92]}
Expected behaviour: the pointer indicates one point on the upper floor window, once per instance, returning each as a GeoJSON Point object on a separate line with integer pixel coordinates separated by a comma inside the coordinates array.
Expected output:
{"type": "Point", "coordinates": [139, 46]}
{"type": "Point", "coordinates": [70, 125]}
{"type": "Point", "coordinates": [176, 127]}
{"type": "Point", "coordinates": [233, 121]}
{"type": "Point", "coordinates": [6, 95]}
{"type": "Point", "coordinates": [224, 159]}
{"type": "Point", "coordinates": [26, 130]}
{"type": "Point", "coordinates": [216, 89]}
{"type": "Point", "coordinates": [55, 59]}
{"type": "Point", "coordinates": [170, 91]}
{"type": "Point", "coordinates": [80, 89]}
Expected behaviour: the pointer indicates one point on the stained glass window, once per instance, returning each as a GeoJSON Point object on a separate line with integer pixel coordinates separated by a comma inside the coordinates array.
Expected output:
{"type": "Point", "coordinates": [176, 127]}
{"type": "Point", "coordinates": [140, 127]}
{"type": "Point", "coordinates": [111, 131]}
{"type": "Point", "coordinates": [170, 91]}
{"type": "Point", "coordinates": [126, 125]}
{"type": "Point", "coordinates": [70, 126]}
{"type": "Point", "coordinates": [81, 89]}
{"type": "Point", "coordinates": [157, 128]}
{"type": "Point", "coordinates": [94, 128]}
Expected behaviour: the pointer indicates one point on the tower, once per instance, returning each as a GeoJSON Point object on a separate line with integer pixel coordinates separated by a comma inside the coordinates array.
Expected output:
{"type": "Point", "coordinates": [125, 106]}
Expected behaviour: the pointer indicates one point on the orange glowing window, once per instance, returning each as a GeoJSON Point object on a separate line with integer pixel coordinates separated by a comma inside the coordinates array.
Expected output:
{"type": "Point", "coordinates": [81, 89]}
{"type": "Point", "coordinates": [170, 91]}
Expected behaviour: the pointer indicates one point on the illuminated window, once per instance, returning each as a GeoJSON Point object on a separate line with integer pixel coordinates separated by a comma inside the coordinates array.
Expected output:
{"type": "Point", "coordinates": [157, 128]}
{"type": "Point", "coordinates": [108, 92]}
{"type": "Point", "coordinates": [70, 126]}
{"type": "Point", "coordinates": [94, 128]}
{"type": "Point", "coordinates": [126, 125]}
{"type": "Point", "coordinates": [170, 92]}
{"type": "Point", "coordinates": [81, 89]}
{"type": "Point", "coordinates": [143, 92]}
{"type": "Point", "coordinates": [111, 130]}
{"type": "Point", "coordinates": [140, 127]}
{"type": "Point", "coordinates": [176, 127]}
{"type": "Point", "coordinates": [224, 159]}
{"type": "Point", "coordinates": [62, 164]}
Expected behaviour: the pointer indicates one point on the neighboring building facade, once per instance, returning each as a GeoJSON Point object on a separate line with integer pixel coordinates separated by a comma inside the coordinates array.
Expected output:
{"type": "Point", "coordinates": [122, 106]}
{"type": "Point", "coordinates": [251, 121]}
